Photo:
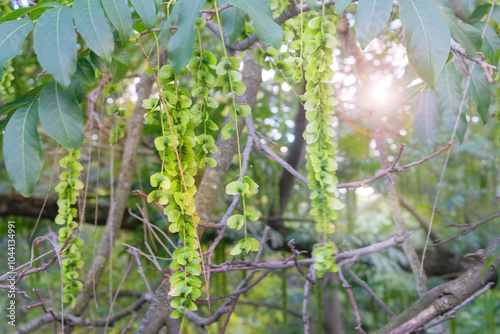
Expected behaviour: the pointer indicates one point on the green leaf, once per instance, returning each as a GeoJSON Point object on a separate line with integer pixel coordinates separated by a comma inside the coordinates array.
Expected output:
{"type": "Point", "coordinates": [94, 27]}
{"type": "Point", "coordinates": [105, 67]}
{"type": "Point", "coordinates": [14, 15]}
{"type": "Point", "coordinates": [5, 120]}
{"type": "Point", "coordinates": [22, 149]}
{"type": "Point", "coordinates": [491, 42]}
{"type": "Point", "coordinates": [341, 5]}
{"type": "Point", "coordinates": [54, 40]}
{"type": "Point", "coordinates": [35, 92]}
{"type": "Point", "coordinates": [85, 72]}
{"type": "Point", "coordinates": [120, 17]}
{"type": "Point", "coordinates": [479, 92]}
{"type": "Point", "coordinates": [427, 38]}
{"type": "Point", "coordinates": [8, 109]}
{"type": "Point", "coordinates": [146, 10]}
{"type": "Point", "coordinates": [469, 6]}
{"type": "Point", "coordinates": [12, 106]}
{"type": "Point", "coordinates": [371, 17]}
{"type": "Point", "coordinates": [12, 35]}
{"type": "Point", "coordinates": [61, 116]}
{"type": "Point", "coordinates": [180, 46]}
{"type": "Point", "coordinates": [78, 88]}
{"type": "Point", "coordinates": [449, 95]}
{"type": "Point", "coordinates": [233, 21]}
{"type": "Point", "coordinates": [426, 118]}
{"type": "Point", "coordinates": [174, 16]}
{"type": "Point", "coordinates": [260, 13]}
{"type": "Point", "coordinates": [123, 56]}
{"type": "Point", "coordinates": [467, 35]}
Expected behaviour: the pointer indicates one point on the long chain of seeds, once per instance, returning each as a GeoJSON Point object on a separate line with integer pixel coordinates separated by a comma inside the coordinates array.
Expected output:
{"type": "Point", "coordinates": [229, 78]}
{"type": "Point", "coordinates": [68, 189]}
{"type": "Point", "coordinates": [319, 135]}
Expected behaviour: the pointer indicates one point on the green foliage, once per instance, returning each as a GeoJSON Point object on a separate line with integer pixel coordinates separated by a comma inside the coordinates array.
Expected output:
{"type": "Point", "coordinates": [12, 35]}
{"type": "Point", "coordinates": [469, 6]}
{"type": "Point", "coordinates": [371, 17]}
{"type": "Point", "coordinates": [426, 118]}
{"type": "Point", "coordinates": [22, 11]}
{"type": "Point", "coordinates": [467, 35]}
{"type": "Point", "coordinates": [233, 21]}
{"type": "Point", "coordinates": [85, 72]}
{"type": "Point", "coordinates": [180, 46]}
{"type": "Point", "coordinates": [479, 92]}
{"type": "Point", "coordinates": [199, 90]}
{"type": "Point", "coordinates": [55, 44]}
{"type": "Point", "coordinates": [94, 27]}
{"type": "Point", "coordinates": [146, 10]}
{"type": "Point", "coordinates": [491, 41]}
{"type": "Point", "coordinates": [341, 5]}
{"type": "Point", "coordinates": [119, 15]}
{"type": "Point", "coordinates": [259, 11]}
{"type": "Point", "coordinates": [22, 148]}
{"type": "Point", "coordinates": [427, 38]}
{"type": "Point", "coordinates": [61, 116]}
{"type": "Point", "coordinates": [449, 94]}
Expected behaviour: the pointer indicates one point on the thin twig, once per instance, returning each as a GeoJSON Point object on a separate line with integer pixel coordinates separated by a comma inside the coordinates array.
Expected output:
{"type": "Point", "coordinates": [395, 169]}
{"type": "Point", "coordinates": [140, 271]}
{"type": "Point", "coordinates": [347, 287]}
{"type": "Point", "coordinates": [295, 253]}
{"type": "Point", "coordinates": [305, 317]}
{"type": "Point", "coordinates": [468, 229]}
{"type": "Point", "coordinates": [370, 292]}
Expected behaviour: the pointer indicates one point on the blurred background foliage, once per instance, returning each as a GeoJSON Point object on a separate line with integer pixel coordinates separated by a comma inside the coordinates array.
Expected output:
{"type": "Point", "coordinates": [469, 193]}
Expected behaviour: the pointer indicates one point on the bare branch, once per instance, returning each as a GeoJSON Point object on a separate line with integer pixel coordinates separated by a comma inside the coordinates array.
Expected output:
{"type": "Point", "coordinates": [81, 321]}
{"type": "Point", "coordinates": [347, 287]}
{"type": "Point", "coordinates": [468, 229]}
{"type": "Point", "coordinates": [370, 292]}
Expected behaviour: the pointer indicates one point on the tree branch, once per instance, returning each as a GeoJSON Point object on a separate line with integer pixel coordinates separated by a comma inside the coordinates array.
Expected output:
{"type": "Point", "coordinates": [445, 297]}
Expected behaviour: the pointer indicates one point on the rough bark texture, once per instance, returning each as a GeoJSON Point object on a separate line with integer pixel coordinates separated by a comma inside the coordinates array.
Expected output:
{"type": "Point", "coordinates": [445, 297]}
{"type": "Point", "coordinates": [213, 179]}
{"type": "Point", "coordinates": [156, 312]}
{"type": "Point", "coordinates": [332, 315]}
{"type": "Point", "coordinates": [122, 193]}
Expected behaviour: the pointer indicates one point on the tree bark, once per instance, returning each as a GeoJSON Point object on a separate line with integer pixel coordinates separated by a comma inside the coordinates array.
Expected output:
{"type": "Point", "coordinates": [445, 297]}
{"type": "Point", "coordinates": [122, 192]}
{"type": "Point", "coordinates": [332, 317]}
